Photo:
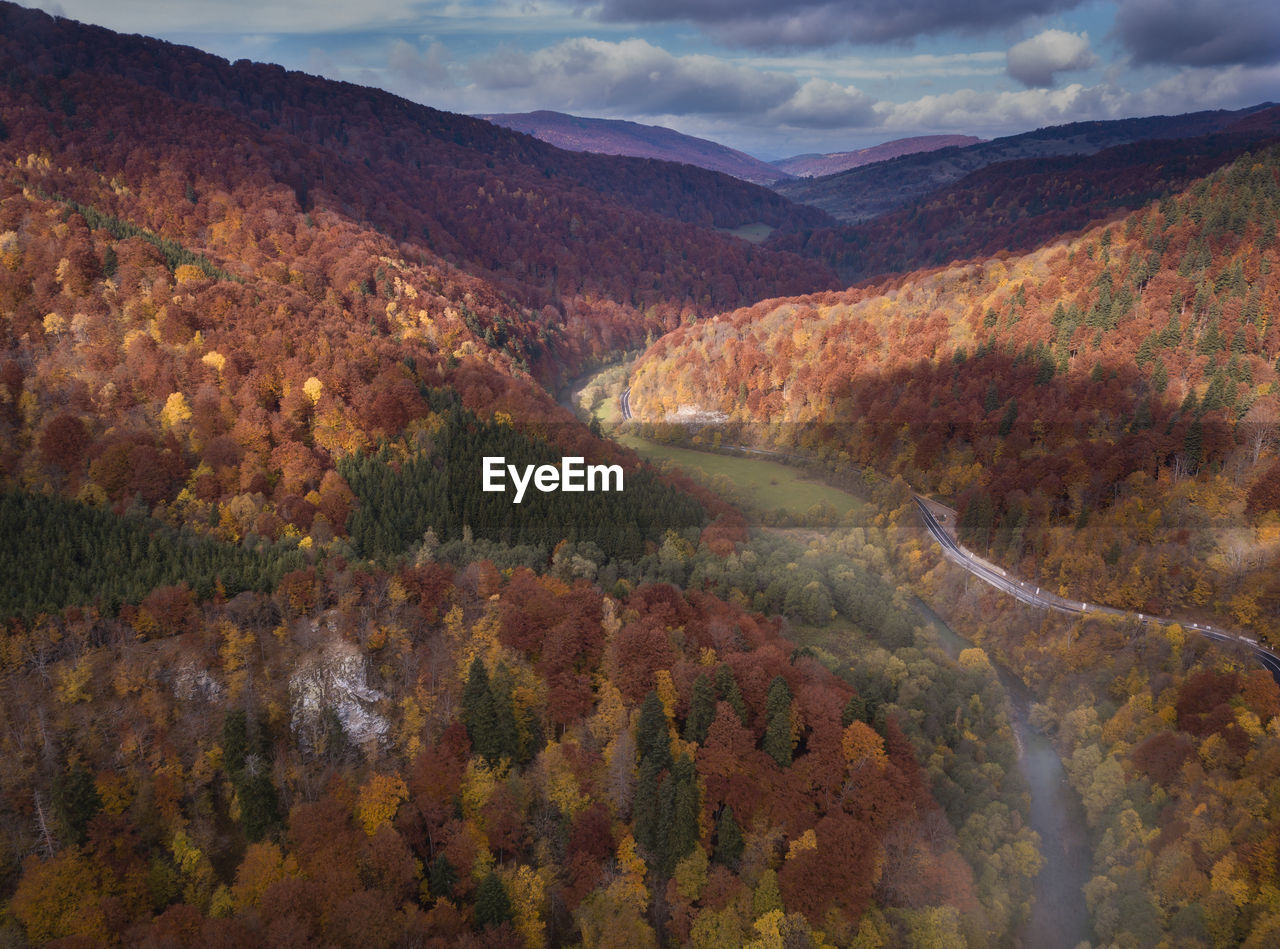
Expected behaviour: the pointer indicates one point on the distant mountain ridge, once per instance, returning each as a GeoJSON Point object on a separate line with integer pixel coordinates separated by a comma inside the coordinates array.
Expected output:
{"type": "Point", "coordinates": [617, 137]}
{"type": "Point", "coordinates": [1021, 204]}
{"type": "Point", "coordinates": [813, 166]}
{"type": "Point", "coordinates": [864, 193]}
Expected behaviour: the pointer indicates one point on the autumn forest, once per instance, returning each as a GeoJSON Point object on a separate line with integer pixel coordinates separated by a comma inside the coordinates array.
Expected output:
{"type": "Point", "coordinates": [276, 671]}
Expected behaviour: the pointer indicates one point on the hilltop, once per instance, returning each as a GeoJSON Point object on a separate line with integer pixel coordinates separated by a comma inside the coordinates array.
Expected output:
{"type": "Point", "coordinates": [864, 193]}
{"type": "Point", "coordinates": [616, 137]}
{"type": "Point", "coordinates": [815, 166]}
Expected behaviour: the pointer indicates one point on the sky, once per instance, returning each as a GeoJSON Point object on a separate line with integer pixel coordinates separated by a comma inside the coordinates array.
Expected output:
{"type": "Point", "coordinates": [773, 78]}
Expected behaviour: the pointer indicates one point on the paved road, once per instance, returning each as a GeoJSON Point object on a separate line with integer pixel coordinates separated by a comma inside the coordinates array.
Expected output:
{"type": "Point", "coordinates": [1028, 592]}
{"type": "Point", "coordinates": [1036, 596]}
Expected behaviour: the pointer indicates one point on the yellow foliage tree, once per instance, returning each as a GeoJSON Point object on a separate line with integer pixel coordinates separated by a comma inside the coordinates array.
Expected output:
{"type": "Point", "coordinates": [55, 898]}
{"type": "Point", "coordinates": [263, 865]}
{"type": "Point", "coordinates": [214, 360]}
{"type": "Point", "coordinates": [527, 892]}
{"type": "Point", "coordinates": [175, 411]}
{"type": "Point", "coordinates": [72, 681]}
{"type": "Point", "coordinates": [313, 387]}
{"type": "Point", "coordinates": [379, 799]}
{"type": "Point", "coordinates": [862, 747]}
{"type": "Point", "coordinates": [806, 841]}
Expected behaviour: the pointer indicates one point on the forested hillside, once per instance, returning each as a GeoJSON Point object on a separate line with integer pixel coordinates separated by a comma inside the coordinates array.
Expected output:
{"type": "Point", "coordinates": [860, 194]}
{"type": "Point", "coordinates": [1103, 411]}
{"type": "Point", "coordinates": [812, 166]}
{"type": "Point", "coordinates": [605, 249]}
{"type": "Point", "coordinates": [1017, 205]}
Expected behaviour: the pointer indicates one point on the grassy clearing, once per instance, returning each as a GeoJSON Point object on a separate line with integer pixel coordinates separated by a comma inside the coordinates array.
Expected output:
{"type": "Point", "coordinates": [753, 233]}
{"type": "Point", "coordinates": [760, 485]}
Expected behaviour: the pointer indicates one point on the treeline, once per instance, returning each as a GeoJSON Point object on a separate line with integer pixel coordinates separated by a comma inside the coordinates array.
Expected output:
{"type": "Point", "coordinates": [438, 486]}
{"type": "Point", "coordinates": [56, 553]}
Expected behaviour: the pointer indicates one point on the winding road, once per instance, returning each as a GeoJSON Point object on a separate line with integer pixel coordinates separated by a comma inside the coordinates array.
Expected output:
{"type": "Point", "coordinates": [932, 514]}
{"type": "Point", "coordinates": [1036, 596]}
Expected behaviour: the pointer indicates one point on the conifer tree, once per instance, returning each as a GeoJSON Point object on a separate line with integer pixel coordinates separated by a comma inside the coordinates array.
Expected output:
{"type": "Point", "coordinates": [653, 742]}
{"type": "Point", "coordinates": [729, 842]}
{"type": "Point", "coordinates": [479, 714]}
{"type": "Point", "coordinates": [702, 709]}
{"type": "Point", "coordinates": [493, 906]}
{"type": "Point", "coordinates": [727, 691]}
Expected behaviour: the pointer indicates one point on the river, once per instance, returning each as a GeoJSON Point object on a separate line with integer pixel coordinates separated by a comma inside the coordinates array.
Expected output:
{"type": "Point", "coordinates": [1059, 917]}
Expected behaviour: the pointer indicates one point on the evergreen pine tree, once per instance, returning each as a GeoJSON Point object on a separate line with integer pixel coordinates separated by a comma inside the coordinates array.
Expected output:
{"type": "Point", "coordinates": [1010, 416]}
{"type": "Point", "coordinates": [646, 809]}
{"type": "Point", "coordinates": [729, 842]}
{"type": "Point", "coordinates": [779, 697]}
{"type": "Point", "coordinates": [493, 906]}
{"type": "Point", "coordinates": [441, 877]}
{"type": "Point", "coordinates": [681, 805]}
{"type": "Point", "coordinates": [777, 738]}
{"type": "Point", "coordinates": [75, 802]}
{"type": "Point", "coordinates": [507, 730]}
{"type": "Point", "coordinates": [727, 691]}
{"type": "Point", "coordinates": [479, 714]}
{"type": "Point", "coordinates": [1193, 443]}
{"type": "Point", "coordinates": [702, 709]}
{"type": "Point", "coordinates": [653, 741]}
{"type": "Point", "coordinates": [857, 709]}
{"type": "Point", "coordinates": [1160, 376]}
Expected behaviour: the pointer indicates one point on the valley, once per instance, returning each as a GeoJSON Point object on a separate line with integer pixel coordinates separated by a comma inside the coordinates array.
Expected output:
{"type": "Point", "coordinates": [415, 533]}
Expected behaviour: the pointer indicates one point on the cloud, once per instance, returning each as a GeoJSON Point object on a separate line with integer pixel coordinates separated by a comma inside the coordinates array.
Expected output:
{"type": "Point", "coordinates": [822, 104]}
{"type": "Point", "coordinates": [154, 17]}
{"type": "Point", "coordinates": [972, 110]}
{"type": "Point", "coordinates": [414, 67]}
{"type": "Point", "coordinates": [629, 76]}
{"type": "Point", "coordinates": [816, 23]}
{"type": "Point", "coordinates": [1200, 32]}
{"type": "Point", "coordinates": [1035, 61]}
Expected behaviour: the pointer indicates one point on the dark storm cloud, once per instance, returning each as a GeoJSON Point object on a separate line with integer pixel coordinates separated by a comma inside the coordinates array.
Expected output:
{"type": "Point", "coordinates": [815, 23]}
{"type": "Point", "coordinates": [1201, 32]}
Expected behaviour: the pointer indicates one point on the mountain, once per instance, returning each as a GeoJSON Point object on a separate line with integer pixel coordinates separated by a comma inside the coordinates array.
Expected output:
{"type": "Point", "coordinates": [1018, 205]}
{"type": "Point", "coordinates": [277, 668]}
{"type": "Point", "coordinates": [616, 137]}
{"type": "Point", "coordinates": [864, 193]}
{"type": "Point", "coordinates": [581, 244]}
{"type": "Point", "coordinates": [1131, 367]}
{"type": "Point", "coordinates": [813, 166]}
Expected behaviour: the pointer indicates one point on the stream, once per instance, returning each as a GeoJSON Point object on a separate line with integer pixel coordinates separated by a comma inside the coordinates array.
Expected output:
{"type": "Point", "coordinates": [1059, 917]}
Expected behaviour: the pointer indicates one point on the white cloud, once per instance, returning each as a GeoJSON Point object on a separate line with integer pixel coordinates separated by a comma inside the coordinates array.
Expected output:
{"type": "Point", "coordinates": [1035, 62]}
{"type": "Point", "coordinates": [970, 109]}
{"type": "Point", "coordinates": [632, 76]}
{"type": "Point", "coordinates": [156, 17]}
{"type": "Point", "coordinates": [820, 103]}
{"type": "Point", "coordinates": [414, 67]}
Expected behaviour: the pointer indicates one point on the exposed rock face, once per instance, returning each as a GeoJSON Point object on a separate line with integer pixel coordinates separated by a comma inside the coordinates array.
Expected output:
{"type": "Point", "coordinates": [334, 680]}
